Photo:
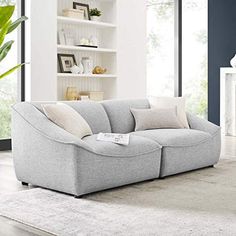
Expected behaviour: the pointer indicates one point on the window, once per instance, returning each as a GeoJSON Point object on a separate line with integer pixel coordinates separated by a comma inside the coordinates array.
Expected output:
{"type": "Point", "coordinates": [10, 86]}
{"type": "Point", "coordinates": [194, 78]}
{"type": "Point", "coordinates": [160, 66]}
{"type": "Point", "coordinates": [162, 18]}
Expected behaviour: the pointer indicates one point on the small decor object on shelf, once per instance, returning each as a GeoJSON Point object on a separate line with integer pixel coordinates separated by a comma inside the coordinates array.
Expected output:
{"type": "Point", "coordinates": [71, 93]}
{"type": "Point", "coordinates": [92, 95]}
{"type": "Point", "coordinates": [87, 64]}
{"type": "Point", "coordinates": [61, 37]}
{"type": "Point", "coordinates": [74, 13]}
{"type": "Point", "coordinates": [81, 68]}
{"type": "Point", "coordinates": [99, 70]}
{"type": "Point", "coordinates": [96, 95]}
{"type": "Point", "coordinates": [84, 98]}
{"type": "Point", "coordinates": [92, 42]}
{"type": "Point", "coordinates": [84, 95]}
{"type": "Point", "coordinates": [233, 61]}
{"type": "Point", "coordinates": [84, 42]}
{"type": "Point", "coordinates": [77, 69]}
{"type": "Point", "coordinates": [66, 61]}
{"type": "Point", "coordinates": [95, 14]}
{"type": "Point", "coordinates": [82, 7]}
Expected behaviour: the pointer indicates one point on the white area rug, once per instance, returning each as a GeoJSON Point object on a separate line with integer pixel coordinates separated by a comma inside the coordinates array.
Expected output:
{"type": "Point", "coordinates": [198, 203]}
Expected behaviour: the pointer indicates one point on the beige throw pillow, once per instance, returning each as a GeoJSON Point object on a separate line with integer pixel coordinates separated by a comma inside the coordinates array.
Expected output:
{"type": "Point", "coordinates": [155, 119]}
{"type": "Point", "coordinates": [67, 118]}
{"type": "Point", "coordinates": [170, 102]}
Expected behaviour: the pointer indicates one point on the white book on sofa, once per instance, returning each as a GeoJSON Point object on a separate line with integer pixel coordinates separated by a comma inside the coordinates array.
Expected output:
{"type": "Point", "coordinates": [122, 139]}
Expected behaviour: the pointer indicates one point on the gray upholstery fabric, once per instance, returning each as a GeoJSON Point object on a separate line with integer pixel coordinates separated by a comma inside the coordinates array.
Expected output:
{"type": "Point", "coordinates": [31, 115]}
{"type": "Point", "coordinates": [65, 166]}
{"type": "Point", "coordinates": [137, 146]}
{"type": "Point", "coordinates": [120, 116]}
{"type": "Point", "coordinates": [156, 119]}
{"type": "Point", "coordinates": [175, 137]}
{"type": "Point", "coordinates": [48, 156]}
{"type": "Point", "coordinates": [181, 159]}
{"type": "Point", "coordinates": [92, 112]}
{"type": "Point", "coordinates": [198, 123]}
{"type": "Point", "coordinates": [100, 172]}
{"type": "Point", "coordinates": [41, 160]}
{"type": "Point", "coordinates": [186, 149]}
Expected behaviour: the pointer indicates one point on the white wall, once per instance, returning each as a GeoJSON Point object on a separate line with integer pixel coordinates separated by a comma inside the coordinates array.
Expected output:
{"type": "Point", "coordinates": [42, 38]}
{"type": "Point", "coordinates": [131, 46]}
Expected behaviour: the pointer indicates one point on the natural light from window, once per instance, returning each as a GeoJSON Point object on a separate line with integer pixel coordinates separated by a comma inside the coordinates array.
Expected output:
{"type": "Point", "coordinates": [160, 57]}
{"type": "Point", "coordinates": [195, 55]}
{"type": "Point", "coordinates": [8, 85]}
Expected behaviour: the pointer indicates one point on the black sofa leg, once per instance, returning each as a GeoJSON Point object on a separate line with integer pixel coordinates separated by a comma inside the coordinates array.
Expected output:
{"type": "Point", "coordinates": [78, 197]}
{"type": "Point", "coordinates": [24, 183]}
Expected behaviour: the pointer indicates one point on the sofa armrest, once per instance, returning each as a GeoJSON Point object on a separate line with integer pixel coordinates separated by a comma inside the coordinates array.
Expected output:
{"type": "Point", "coordinates": [40, 123]}
{"type": "Point", "coordinates": [198, 123]}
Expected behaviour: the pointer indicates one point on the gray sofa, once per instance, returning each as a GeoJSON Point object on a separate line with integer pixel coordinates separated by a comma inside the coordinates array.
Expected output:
{"type": "Point", "coordinates": [46, 155]}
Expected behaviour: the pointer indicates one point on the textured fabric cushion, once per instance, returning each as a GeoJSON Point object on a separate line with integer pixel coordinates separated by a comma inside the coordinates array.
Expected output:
{"type": "Point", "coordinates": [68, 119]}
{"type": "Point", "coordinates": [92, 112]}
{"type": "Point", "coordinates": [155, 119]}
{"type": "Point", "coordinates": [46, 155]}
{"type": "Point", "coordinates": [181, 159]}
{"type": "Point", "coordinates": [45, 162]}
{"type": "Point", "coordinates": [175, 137]}
{"type": "Point", "coordinates": [185, 149]}
{"type": "Point", "coordinates": [120, 116]}
{"type": "Point", "coordinates": [168, 102]}
{"type": "Point", "coordinates": [198, 123]}
{"type": "Point", "coordinates": [137, 146]}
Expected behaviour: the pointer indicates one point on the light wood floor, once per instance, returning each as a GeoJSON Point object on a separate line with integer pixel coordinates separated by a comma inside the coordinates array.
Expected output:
{"type": "Point", "coordinates": [8, 184]}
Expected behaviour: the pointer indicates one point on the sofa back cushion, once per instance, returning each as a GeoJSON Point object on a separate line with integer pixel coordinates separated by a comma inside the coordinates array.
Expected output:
{"type": "Point", "coordinates": [120, 116]}
{"type": "Point", "coordinates": [92, 112]}
{"type": "Point", "coordinates": [68, 119]}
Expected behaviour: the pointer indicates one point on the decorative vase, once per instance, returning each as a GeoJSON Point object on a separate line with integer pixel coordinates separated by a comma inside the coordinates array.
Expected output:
{"type": "Point", "coordinates": [71, 94]}
{"type": "Point", "coordinates": [88, 65]}
{"type": "Point", "coordinates": [81, 68]}
{"type": "Point", "coordinates": [75, 69]}
{"type": "Point", "coordinates": [95, 18]}
{"type": "Point", "coordinates": [233, 61]}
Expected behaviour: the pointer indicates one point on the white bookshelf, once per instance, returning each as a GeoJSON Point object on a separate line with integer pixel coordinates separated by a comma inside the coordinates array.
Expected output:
{"type": "Point", "coordinates": [85, 49]}
{"type": "Point", "coordinates": [75, 76]}
{"type": "Point", "coordinates": [87, 23]}
{"type": "Point", "coordinates": [105, 55]}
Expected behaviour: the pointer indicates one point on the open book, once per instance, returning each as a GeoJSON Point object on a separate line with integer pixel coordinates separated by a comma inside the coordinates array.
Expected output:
{"type": "Point", "coordinates": [114, 138]}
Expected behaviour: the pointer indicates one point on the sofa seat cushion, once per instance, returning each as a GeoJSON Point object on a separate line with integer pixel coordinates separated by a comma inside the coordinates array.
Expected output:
{"type": "Point", "coordinates": [137, 146]}
{"type": "Point", "coordinates": [184, 149]}
{"type": "Point", "coordinates": [175, 137]}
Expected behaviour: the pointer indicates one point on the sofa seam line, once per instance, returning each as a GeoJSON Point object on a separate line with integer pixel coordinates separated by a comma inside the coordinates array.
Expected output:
{"type": "Point", "coordinates": [204, 141]}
